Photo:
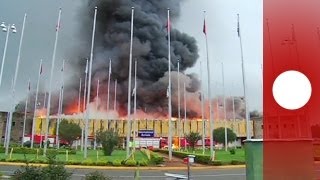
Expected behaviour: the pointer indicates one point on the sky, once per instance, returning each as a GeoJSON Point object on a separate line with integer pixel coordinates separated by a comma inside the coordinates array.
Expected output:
{"type": "Point", "coordinates": [223, 44]}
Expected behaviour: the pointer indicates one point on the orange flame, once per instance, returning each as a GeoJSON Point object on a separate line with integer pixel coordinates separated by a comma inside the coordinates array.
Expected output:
{"type": "Point", "coordinates": [42, 112]}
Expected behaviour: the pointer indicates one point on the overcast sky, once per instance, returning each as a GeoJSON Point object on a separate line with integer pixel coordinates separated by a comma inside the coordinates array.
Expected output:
{"type": "Point", "coordinates": [222, 39]}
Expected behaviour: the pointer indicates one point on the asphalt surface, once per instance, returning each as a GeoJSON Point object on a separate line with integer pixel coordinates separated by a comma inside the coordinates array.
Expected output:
{"type": "Point", "coordinates": [199, 174]}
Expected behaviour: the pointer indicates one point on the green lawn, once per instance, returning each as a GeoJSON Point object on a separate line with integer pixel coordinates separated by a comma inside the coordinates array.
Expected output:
{"type": "Point", "coordinates": [223, 155]}
{"type": "Point", "coordinates": [92, 156]}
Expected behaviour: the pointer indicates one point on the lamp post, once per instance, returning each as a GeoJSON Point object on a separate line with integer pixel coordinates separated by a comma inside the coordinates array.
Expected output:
{"type": "Point", "coordinates": [8, 28]}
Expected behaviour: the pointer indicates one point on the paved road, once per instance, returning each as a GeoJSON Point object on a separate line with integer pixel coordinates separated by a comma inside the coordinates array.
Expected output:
{"type": "Point", "coordinates": [205, 174]}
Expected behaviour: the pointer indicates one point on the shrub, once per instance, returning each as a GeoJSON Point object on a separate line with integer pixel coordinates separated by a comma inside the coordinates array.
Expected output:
{"type": "Point", "coordinates": [96, 176]}
{"type": "Point", "coordinates": [28, 172]}
{"type": "Point", "coordinates": [101, 163]}
{"type": "Point", "coordinates": [88, 162]}
{"type": "Point", "coordinates": [232, 151]}
{"type": "Point", "coordinates": [193, 138]}
{"type": "Point", "coordinates": [156, 159]}
{"type": "Point", "coordinates": [130, 162]}
{"type": "Point", "coordinates": [109, 139]}
{"type": "Point", "coordinates": [237, 162]}
{"type": "Point", "coordinates": [143, 163]}
{"type": "Point", "coordinates": [55, 170]}
{"type": "Point", "coordinates": [27, 144]}
{"type": "Point", "coordinates": [116, 163]}
{"type": "Point", "coordinates": [216, 163]}
{"type": "Point", "coordinates": [146, 152]}
{"type": "Point", "coordinates": [202, 159]}
{"type": "Point", "coordinates": [72, 162]}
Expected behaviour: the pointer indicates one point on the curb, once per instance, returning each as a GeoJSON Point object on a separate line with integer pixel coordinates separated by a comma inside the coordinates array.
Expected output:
{"type": "Point", "coordinates": [129, 168]}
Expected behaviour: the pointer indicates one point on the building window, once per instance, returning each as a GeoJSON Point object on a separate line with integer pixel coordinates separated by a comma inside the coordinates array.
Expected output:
{"type": "Point", "coordinates": [13, 124]}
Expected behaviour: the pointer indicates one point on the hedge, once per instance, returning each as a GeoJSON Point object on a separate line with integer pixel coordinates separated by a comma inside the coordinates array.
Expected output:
{"type": "Point", "coordinates": [23, 150]}
{"type": "Point", "coordinates": [202, 159]}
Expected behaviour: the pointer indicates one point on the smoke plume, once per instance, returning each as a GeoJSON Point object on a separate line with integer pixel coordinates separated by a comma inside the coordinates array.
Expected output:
{"type": "Point", "coordinates": [150, 50]}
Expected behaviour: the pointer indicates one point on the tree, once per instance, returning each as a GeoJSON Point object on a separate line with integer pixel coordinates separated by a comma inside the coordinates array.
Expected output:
{"type": "Point", "coordinates": [218, 135]}
{"type": "Point", "coordinates": [108, 139]}
{"type": "Point", "coordinates": [69, 131]}
{"type": "Point", "coordinates": [193, 138]}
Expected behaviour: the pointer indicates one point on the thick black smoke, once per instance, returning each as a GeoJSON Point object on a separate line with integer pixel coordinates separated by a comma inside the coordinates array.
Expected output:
{"type": "Point", "coordinates": [150, 49]}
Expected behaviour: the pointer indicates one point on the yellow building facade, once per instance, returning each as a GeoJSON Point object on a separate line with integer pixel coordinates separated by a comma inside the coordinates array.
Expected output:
{"type": "Point", "coordinates": [160, 127]}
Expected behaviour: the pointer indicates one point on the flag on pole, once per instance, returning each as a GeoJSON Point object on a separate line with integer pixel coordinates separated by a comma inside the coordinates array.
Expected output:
{"type": "Point", "coordinates": [58, 26]}
{"type": "Point", "coordinates": [133, 91]}
{"type": "Point", "coordinates": [29, 86]}
{"type": "Point", "coordinates": [238, 27]}
{"type": "Point", "coordinates": [204, 27]}
{"type": "Point", "coordinates": [86, 70]}
{"type": "Point", "coordinates": [41, 69]}
{"type": "Point", "coordinates": [110, 67]}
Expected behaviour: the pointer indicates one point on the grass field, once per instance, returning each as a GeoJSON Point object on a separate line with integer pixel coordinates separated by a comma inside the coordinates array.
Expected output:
{"type": "Point", "coordinates": [223, 155]}
{"type": "Point", "coordinates": [92, 156]}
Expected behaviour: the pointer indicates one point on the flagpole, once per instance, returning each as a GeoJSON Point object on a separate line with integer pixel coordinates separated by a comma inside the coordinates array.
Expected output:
{"type": "Point", "coordinates": [84, 99]}
{"type": "Point", "coordinates": [179, 118]}
{"type": "Point", "coordinates": [35, 106]}
{"type": "Point", "coordinates": [244, 83]}
{"type": "Point", "coordinates": [233, 107]}
{"type": "Point", "coordinates": [89, 86]}
{"type": "Point", "coordinates": [185, 110]}
{"type": "Point", "coordinates": [25, 115]}
{"type": "Point", "coordinates": [44, 106]}
{"type": "Point", "coordinates": [212, 153]}
{"type": "Point", "coordinates": [5, 137]}
{"type": "Point", "coordinates": [202, 111]}
{"type": "Point", "coordinates": [50, 84]}
{"type": "Point", "coordinates": [115, 96]}
{"type": "Point", "coordinates": [95, 137]}
{"type": "Point", "coordinates": [169, 100]}
{"type": "Point", "coordinates": [129, 87]}
{"type": "Point", "coordinates": [60, 105]}
{"type": "Point", "coordinates": [58, 118]}
{"type": "Point", "coordinates": [135, 106]}
{"type": "Point", "coordinates": [225, 111]}
{"type": "Point", "coordinates": [85, 86]}
{"type": "Point", "coordinates": [79, 98]}
{"type": "Point", "coordinates": [79, 110]}
{"type": "Point", "coordinates": [108, 96]}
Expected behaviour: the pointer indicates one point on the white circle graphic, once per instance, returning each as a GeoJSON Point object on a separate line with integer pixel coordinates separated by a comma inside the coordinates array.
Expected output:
{"type": "Point", "coordinates": [292, 90]}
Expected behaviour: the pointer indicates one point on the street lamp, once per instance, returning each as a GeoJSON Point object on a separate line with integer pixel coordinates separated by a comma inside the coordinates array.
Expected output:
{"type": "Point", "coordinates": [6, 29]}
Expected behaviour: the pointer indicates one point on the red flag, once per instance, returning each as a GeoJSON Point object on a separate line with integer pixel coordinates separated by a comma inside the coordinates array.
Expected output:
{"type": "Point", "coordinates": [204, 27]}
